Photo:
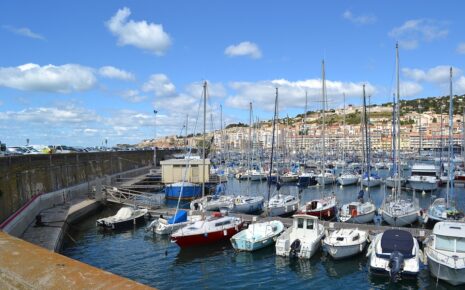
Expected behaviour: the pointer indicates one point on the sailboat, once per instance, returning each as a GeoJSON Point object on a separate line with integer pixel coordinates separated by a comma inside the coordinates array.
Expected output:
{"type": "Point", "coordinates": [325, 207]}
{"type": "Point", "coordinates": [279, 204]}
{"type": "Point", "coordinates": [360, 211]}
{"type": "Point", "coordinates": [369, 178]}
{"type": "Point", "coordinates": [346, 177]}
{"type": "Point", "coordinates": [442, 208]}
{"type": "Point", "coordinates": [395, 210]}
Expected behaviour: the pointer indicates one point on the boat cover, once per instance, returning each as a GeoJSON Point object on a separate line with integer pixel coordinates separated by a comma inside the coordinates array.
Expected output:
{"type": "Point", "coordinates": [124, 213]}
{"type": "Point", "coordinates": [179, 217]}
{"type": "Point", "coordinates": [397, 240]}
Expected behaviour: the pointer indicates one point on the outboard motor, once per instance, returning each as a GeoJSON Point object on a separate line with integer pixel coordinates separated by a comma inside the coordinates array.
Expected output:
{"type": "Point", "coordinates": [295, 249]}
{"type": "Point", "coordinates": [396, 265]}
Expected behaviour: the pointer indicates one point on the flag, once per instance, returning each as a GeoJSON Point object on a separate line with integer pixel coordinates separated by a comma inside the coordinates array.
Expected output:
{"type": "Point", "coordinates": [155, 111]}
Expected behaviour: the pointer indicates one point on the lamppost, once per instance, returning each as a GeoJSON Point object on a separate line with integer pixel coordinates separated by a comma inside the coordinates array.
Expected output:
{"type": "Point", "coordinates": [154, 139]}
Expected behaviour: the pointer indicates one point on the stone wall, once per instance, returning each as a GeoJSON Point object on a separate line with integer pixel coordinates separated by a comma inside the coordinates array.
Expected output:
{"type": "Point", "coordinates": [22, 177]}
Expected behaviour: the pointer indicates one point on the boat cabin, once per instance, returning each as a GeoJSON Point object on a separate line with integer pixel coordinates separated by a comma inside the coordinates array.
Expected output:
{"type": "Point", "coordinates": [425, 170]}
{"type": "Point", "coordinates": [174, 170]}
{"type": "Point", "coordinates": [303, 222]}
{"type": "Point", "coordinates": [450, 237]}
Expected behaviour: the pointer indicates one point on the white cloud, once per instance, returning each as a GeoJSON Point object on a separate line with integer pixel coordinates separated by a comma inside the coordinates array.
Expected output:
{"type": "Point", "coordinates": [51, 115]}
{"type": "Point", "coordinates": [133, 96]}
{"type": "Point", "coordinates": [437, 75]}
{"type": "Point", "coordinates": [413, 31]}
{"type": "Point", "coordinates": [245, 48]}
{"type": "Point", "coordinates": [148, 36]}
{"type": "Point", "coordinates": [292, 94]}
{"type": "Point", "coordinates": [24, 31]}
{"type": "Point", "coordinates": [459, 86]}
{"type": "Point", "coordinates": [461, 48]}
{"type": "Point", "coordinates": [160, 84]}
{"type": "Point", "coordinates": [360, 19]}
{"type": "Point", "coordinates": [410, 89]}
{"type": "Point", "coordinates": [116, 73]}
{"type": "Point", "coordinates": [50, 78]}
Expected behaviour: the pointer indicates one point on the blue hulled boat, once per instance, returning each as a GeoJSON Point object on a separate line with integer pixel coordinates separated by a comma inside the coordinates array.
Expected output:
{"type": "Point", "coordinates": [189, 190]}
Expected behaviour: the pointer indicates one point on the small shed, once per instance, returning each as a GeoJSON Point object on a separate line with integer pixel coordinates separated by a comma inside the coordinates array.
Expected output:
{"type": "Point", "coordinates": [174, 170]}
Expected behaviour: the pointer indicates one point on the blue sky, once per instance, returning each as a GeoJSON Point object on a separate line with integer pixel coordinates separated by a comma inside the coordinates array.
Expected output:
{"type": "Point", "coordinates": [80, 72]}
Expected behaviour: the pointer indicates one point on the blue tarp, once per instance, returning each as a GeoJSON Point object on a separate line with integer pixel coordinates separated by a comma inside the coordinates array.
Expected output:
{"type": "Point", "coordinates": [180, 217]}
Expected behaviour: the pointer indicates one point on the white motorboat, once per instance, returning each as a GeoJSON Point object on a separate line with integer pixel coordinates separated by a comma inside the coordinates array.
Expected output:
{"type": "Point", "coordinates": [390, 181]}
{"type": "Point", "coordinates": [302, 239]}
{"type": "Point", "coordinates": [357, 212]}
{"type": "Point", "coordinates": [424, 177]}
{"type": "Point", "coordinates": [344, 243]}
{"type": "Point", "coordinates": [395, 253]}
{"type": "Point", "coordinates": [327, 177]}
{"type": "Point", "coordinates": [126, 216]}
{"type": "Point", "coordinates": [399, 212]}
{"type": "Point", "coordinates": [257, 236]}
{"type": "Point", "coordinates": [212, 202]}
{"type": "Point", "coordinates": [247, 204]}
{"type": "Point", "coordinates": [445, 251]}
{"type": "Point", "coordinates": [162, 226]}
{"type": "Point", "coordinates": [348, 178]}
{"type": "Point", "coordinates": [282, 205]}
{"type": "Point", "coordinates": [289, 177]}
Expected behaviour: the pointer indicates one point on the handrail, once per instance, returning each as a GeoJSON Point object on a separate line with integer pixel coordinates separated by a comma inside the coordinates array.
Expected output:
{"type": "Point", "coordinates": [445, 258]}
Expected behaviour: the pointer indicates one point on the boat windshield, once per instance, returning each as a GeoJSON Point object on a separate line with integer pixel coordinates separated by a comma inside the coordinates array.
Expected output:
{"type": "Point", "coordinates": [423, 173]}
{"type": "Point", "coordinates": [451, 244]}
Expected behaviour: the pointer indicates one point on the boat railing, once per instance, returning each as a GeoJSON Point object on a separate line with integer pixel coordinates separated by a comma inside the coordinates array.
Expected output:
{"type": "Point", "coordinates": [458, 262]}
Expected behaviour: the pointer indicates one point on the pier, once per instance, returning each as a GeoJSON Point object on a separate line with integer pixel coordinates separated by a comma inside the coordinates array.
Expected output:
{"type": "Point", "coordinates": [372, 229]}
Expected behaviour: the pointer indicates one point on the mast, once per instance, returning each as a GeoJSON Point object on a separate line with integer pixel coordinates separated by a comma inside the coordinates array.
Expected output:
{"type": "Point", "coordinates": [393, 137]}
{"type": "Point", "coordinates": [323, 92]}
{"type": "Point", "coordinates": [398, 133]}
{"type": "Point", "coordinates": [367, 150]}
{"type": "Point", "coordinates": [204, 135]}
{"type": "Point", "coordinates": [249, 156]}
{"type": "Point", "coordinates": [304, 120]}
{"type": "Point", "coordinates": [272, 145]}
{"type": "Point", "coordinates": [450, 180]}
{"type": "Point", "coordinates": [420, 147]}
{"type": "Point", "coordinates": [344, 144]}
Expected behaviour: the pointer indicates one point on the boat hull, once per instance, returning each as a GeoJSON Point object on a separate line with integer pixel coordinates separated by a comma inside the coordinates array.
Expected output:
{"type": "Point", "coordinates": [286, 210]}
{"type": "Point", "coordinates": [207, 238]}
{"type": "Point", "coordinates": [452, 276]}
{"type": "Point", "coordinates": [371, 183]}
{"type": "Point", "coordinates": [422, 185]}
{"type": "Point", "coordinates": [342, 252]}
{"type": "Point", "coordinates": [188, 192]}
{"type": "Point", "coordinates": [123, 224]}
{"type": "Point", "coordinates": [325, 214]}
{"type": "Point", "coordinates": [401, 220]}
{"type": "Point", "coordinates": [347, 180]}
{"type": "Point", "coordinates": [361, 219]}
{"type": "Point", "coordinates": [305, 181]}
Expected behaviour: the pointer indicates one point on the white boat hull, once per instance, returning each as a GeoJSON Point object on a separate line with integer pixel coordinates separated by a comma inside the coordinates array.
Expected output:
{"type": "Point", "coordinates": [341, 252]}
{"type": "Point", "coordinates": [283, 210]}
{"type": "Point", "coordinates": [361, 219]}
{"type": "Point", "coordinates": [447, 274]}
{"type": "Point", "coordinates": [347, 180]}
{"type": "Point", "coordinates": [371, 183]}
{"type": "Point", "coordinates": [324, 180]}
{"type": "Point", "coordinates": [401, 220]}
{"type": "Point", "coordinates": [423, 185]}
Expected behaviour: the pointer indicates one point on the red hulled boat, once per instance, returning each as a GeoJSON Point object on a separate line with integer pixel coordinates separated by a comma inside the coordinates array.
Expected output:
{"type": "Point", "coordinates": [213, 229]}
{"type": "Point", "coordinates": [324, 208]}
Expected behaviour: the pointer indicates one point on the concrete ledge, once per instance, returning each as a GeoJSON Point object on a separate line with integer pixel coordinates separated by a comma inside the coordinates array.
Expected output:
{"type": "Point", "coordinates": [27, 266]}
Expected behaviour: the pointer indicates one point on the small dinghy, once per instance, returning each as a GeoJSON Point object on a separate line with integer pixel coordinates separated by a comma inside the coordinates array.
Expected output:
{"type": "Point", "coordinates": [257, 236]}
{"type": "Point", "coordinates": [126, 216]}
{"type": "Point", "coordinates": [345, 243]}
{"type": "Point", "coordinates": [164, 226]}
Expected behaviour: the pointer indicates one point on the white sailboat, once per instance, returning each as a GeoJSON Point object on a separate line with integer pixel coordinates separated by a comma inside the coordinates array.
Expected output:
{"type": "Point", "coordinates": [395, 210]}
{"type": "Point", "coordinates": [443, 208]}
{"type": "Point", "coordinates": [279, 204]}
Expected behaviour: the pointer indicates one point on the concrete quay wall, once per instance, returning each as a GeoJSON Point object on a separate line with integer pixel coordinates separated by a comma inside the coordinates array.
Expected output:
{"type": "Point", "coordinates": [23, 178]}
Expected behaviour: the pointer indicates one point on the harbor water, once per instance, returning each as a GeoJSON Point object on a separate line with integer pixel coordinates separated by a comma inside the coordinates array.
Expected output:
{"type": "Point", "coordinates": [155, 261]}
